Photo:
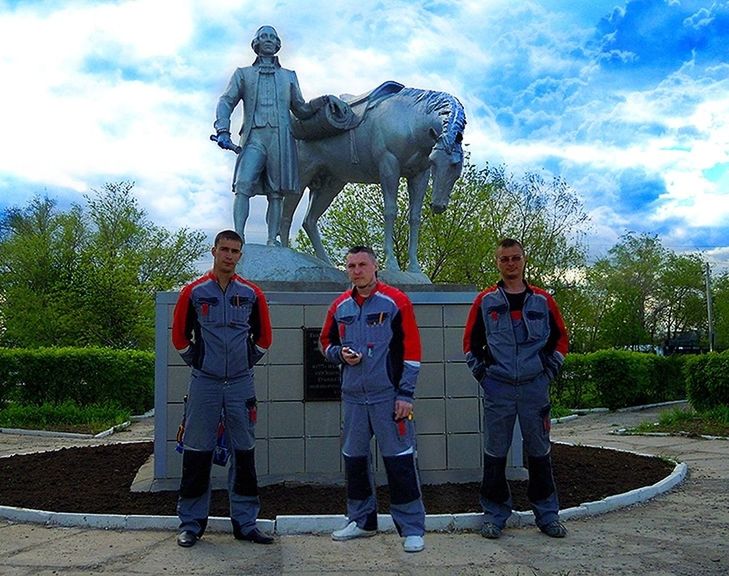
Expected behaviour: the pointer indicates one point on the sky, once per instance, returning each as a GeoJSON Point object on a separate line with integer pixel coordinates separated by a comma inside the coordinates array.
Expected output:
{"type": "Point", "coordinates": [628, 101]}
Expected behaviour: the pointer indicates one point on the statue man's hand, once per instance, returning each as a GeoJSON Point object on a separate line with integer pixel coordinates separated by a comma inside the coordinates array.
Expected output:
{"type": "Point", "coordinates": [337, 106]}
{"type": "Point", "coordinates": [225, 142]}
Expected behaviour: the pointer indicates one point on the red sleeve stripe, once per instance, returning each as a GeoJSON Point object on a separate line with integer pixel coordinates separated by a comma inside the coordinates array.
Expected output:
{"type": "Point", "coordinates": [471, 320]}
{"type": "Point", "coordinates": [329, 335]}
{"type": "Point", "coordinates": [181, 328]}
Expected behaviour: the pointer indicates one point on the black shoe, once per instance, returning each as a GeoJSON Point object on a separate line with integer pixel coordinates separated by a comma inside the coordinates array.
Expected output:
{"type": "Point", "coordinates": [186, 538]}
{"type": "Point", "coordinates": [255, 536]}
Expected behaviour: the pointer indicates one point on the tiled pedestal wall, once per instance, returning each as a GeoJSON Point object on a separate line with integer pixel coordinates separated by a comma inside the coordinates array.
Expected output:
{"type": "Point", "coordinates": [299, 440]}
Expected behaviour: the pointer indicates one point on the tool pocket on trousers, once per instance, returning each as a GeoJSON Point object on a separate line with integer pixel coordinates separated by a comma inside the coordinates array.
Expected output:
{"type": "Point", "coordinates": [252, 409]}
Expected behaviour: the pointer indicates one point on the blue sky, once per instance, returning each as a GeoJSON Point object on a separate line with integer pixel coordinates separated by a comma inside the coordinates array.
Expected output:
{"type": "Point", "coordinates": [628, 101]}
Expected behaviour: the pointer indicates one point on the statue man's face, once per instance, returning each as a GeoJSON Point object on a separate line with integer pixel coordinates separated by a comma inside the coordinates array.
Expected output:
{"type": "Point", "coordinates": [267, 42]}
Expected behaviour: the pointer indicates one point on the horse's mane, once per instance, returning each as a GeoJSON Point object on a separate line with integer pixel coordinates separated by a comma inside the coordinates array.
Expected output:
{"type": "Point", "coordinates": [448, 107]}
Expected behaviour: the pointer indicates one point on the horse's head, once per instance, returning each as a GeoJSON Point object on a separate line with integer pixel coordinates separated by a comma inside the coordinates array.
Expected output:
{"type": "Point", "coordinates": [445, 168]}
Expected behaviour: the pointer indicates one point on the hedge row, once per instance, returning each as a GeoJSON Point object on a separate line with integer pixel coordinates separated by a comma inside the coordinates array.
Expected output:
{"type": "Point", "coordinates": [707, 380]}
{"type": "Point", "coordinates": [608, 378]}
{"type": "Point", "coordinates": [617, 378]}
{"type": "Point", "coordinates": [83, 375]}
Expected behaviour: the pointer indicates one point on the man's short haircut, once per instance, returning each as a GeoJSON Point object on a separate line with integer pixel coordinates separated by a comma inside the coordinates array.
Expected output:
{"type": "Point", "coordinates": [365, 249]}
{"type": "Point", "coordinates": [228, 235]}
{"type": "Point", "coordinates": [509, 243]}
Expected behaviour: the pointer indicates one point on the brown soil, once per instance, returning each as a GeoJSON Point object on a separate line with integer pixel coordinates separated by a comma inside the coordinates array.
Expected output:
{"type": "Point", "coordinates": [96, 480]}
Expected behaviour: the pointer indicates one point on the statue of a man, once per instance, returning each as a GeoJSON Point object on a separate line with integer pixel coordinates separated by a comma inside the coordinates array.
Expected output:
{"type": "Point", "coordinates": [267, 162]}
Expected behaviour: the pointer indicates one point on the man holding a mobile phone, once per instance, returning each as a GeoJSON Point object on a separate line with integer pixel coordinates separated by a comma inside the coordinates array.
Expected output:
{"type": "Point", "coordinates": [370, 330]}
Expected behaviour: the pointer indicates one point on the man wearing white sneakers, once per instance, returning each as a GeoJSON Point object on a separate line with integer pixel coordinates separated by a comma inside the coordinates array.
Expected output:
{"type": "Point", "coordinates": [370, 330]}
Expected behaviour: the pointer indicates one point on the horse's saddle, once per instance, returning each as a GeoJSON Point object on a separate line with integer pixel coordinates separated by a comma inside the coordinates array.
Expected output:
{"type": "Point", "coordinates": [360, 104]}
{"type": "Point", "coordinates": [329, 122]}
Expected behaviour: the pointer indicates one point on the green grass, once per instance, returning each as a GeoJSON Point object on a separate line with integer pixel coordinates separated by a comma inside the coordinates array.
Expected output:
{"type": "Point", "coordinates": [714, 422]}
{"type": "Point", "coordinates": [65, 417]}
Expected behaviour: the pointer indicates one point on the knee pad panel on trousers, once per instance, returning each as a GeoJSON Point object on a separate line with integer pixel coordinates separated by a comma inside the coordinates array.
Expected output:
{"type": "Point", "coordinates": [402, 478]}
{"type": "Point", "coordinates": [541, 481]}
{"type": "Point", "coordinates": [494, 486]}
{"type": "Point", "coordinates": [356, 470]}
{"type": "Point", "coordinates": [246, 482]}
{"type": "Point", "coordinates": [196, 467]}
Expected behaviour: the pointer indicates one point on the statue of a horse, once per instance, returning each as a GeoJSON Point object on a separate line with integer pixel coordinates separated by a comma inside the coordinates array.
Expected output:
{"type": "Point", "coordinates": [412, 134]}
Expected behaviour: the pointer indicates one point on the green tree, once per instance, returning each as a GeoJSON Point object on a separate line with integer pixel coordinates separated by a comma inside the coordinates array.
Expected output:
{"type": "Point", "coordinates": [456, 246]}
{"type": "Point", "coordinates": [643, 294]}
{"type": "Point", "coordinates": [546, 216]}
{"type": "Point", "coordinates": [720, 301]}
{"type": "Point", "coordinates": [88, 276]}
{"type": "Point", "coordinates": [681, 296]}
{"type": "Point", "coordinates": [632, 270]}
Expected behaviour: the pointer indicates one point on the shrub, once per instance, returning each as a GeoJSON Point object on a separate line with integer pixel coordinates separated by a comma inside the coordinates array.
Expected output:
{"type": "Point", "coordinates": [575, 386]}
{"type": "Point", "coordinates": [621, 377]}
{"type": "Point", "coordinates": [82, 375]}
{"type": "Point", "coordinates": [667, 378]}
{"type": "Point", "coordinates": [707, 380]}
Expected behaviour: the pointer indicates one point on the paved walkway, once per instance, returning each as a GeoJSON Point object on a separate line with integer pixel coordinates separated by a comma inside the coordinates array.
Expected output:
{"type": "Point", "coordinates": [683, 532]}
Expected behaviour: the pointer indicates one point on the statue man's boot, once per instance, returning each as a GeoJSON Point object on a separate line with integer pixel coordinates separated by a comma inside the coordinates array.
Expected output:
{"type": "Point", "coordinates": [274, 213]}
{"type": "Point", "coordinates": [241, 206]}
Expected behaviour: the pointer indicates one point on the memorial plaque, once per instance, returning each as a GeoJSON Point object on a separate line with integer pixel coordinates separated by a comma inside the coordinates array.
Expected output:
{"type": "Point", "coordinates": [321, 378]}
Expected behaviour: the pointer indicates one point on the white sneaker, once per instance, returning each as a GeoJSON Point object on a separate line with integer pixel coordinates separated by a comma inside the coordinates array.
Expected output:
{"type": "Point", "coordinates": [413, 544]}
{"type": "Point", "coordinates": [351, 531]}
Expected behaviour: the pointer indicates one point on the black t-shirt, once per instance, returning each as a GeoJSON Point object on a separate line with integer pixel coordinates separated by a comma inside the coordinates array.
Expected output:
{"type": "Point", "coordinates": [516, 301]}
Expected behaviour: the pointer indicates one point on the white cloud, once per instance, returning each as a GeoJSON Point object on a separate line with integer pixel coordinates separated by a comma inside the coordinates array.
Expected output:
{"type": "Point", "coordinates": [98, 91]}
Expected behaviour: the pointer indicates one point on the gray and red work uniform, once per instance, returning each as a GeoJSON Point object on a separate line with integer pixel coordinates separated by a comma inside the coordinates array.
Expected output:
{"type": "Point", "coordinates": [220, 334]}
{"type": "Point", "coordinates": [515, 345]}
{"type": "Point", "coordinates": [382, 328]}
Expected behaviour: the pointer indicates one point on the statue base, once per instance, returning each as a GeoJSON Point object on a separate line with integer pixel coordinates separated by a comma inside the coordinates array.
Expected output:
{"type": "Point", "coordinates": [403, 278]}
{"type": "Point", "coordinates": [275, 268]}
{"type": "Point", "coordinates": [270, 266]}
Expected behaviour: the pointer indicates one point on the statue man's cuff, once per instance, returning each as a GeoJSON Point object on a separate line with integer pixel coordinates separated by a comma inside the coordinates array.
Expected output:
{"type": "Point", "coordinates": [320, 102]}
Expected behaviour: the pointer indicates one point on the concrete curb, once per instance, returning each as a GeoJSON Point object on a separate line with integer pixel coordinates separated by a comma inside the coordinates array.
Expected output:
{"type": "Point", "coordinates": [649, 406]}
{"type": "Point", "coordinates": [324, 524]}
{"type": "Point", "coordinates": [565, 418]}
{"type": "Point", "coordinates": [627, 432]}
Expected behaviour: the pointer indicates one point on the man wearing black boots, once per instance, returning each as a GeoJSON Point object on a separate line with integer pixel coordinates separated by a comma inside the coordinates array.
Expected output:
{"type": "Point", "coordinates": [515, 342]}
{"type": "Point", "coordinates": [221, 328]}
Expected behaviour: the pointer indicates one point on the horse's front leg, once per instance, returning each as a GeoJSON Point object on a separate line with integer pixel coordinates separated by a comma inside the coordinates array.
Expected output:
{"type": "Point", "coordinates": [389, 195]}
{"type": "Point", "coordinates": [319, 200]}
{"type": "Point", "coordinates": [416, 196]}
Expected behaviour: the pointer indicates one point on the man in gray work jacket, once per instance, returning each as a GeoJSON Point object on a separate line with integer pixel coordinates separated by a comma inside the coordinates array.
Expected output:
{"type": "Point", "coordinates": [515, 342]}
{"type": "Point", "coordinates": [370, 330]}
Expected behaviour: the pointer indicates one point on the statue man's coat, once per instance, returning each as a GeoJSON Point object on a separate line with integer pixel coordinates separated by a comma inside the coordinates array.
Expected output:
{"type": "Point", "coordinates": [243, 86]}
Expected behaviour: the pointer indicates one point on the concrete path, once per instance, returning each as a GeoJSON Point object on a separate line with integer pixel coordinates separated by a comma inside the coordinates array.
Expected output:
{"type": "Point", "coordinates": [683, 532]}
